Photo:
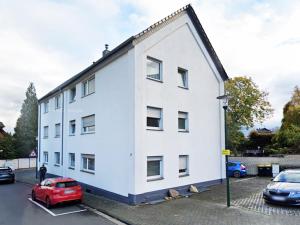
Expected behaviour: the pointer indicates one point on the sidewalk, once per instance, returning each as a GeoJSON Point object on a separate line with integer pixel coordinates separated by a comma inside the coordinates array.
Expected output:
{"type": "Point", "coordinates": [204, 208]}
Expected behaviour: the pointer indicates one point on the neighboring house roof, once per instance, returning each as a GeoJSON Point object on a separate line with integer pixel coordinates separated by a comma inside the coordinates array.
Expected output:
{"type": "Point", "coordinates": [129, 43]}
{"type": "Point", "coordinates": [1, 125]}
{"type": "Point", "coordinates": [263, 130]}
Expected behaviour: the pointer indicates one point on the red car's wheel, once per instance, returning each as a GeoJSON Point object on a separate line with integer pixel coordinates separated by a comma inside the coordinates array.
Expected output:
{"type": "Point", "coordinates": [33, 197]}
{"type": "Point", "coordinates": [48, 203]}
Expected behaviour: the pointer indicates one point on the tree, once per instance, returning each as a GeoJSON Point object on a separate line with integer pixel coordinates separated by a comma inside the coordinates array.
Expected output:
{"type": "Point", "coordinates": [8, 148]}
{"type": "Point", "coordinates": [288, 135]}
{"type": "Point", "coordinates": [27, 123]}
{"type": "Point", "coordinates": [247, 105]}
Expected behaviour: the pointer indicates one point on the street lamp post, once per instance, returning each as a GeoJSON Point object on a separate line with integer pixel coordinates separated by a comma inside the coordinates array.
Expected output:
{"type": "Point", "coordinates": [225, 99]}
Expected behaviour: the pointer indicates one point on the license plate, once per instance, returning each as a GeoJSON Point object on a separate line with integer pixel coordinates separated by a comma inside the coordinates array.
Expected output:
{"type": "Point", "coordinates": [69, 191]}
{"type": "Point", "coordinates": [278, 198]}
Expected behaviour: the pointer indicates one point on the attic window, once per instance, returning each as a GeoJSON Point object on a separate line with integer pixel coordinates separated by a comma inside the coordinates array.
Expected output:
{"type": "Point", "coordinates": [154, 69]}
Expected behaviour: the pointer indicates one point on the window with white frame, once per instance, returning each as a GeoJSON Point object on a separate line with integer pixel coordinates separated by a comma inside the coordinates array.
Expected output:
{"type": "Point", "coordinates": [154, 118]}
{"type": "Point", "coordinates": [88, 124]}
{"type": "Point", "coordinates": [45, 156]}
{"type": "Point", "coordinates": [46, 131]}
{"type": "Point", "coordinates": [72, 128]}
{"type": "Point", "coordinates": [56, 158]}
{"type": "Point", "coordinates": [57, 101]}
{"type": "Point", "coordinates": [88, 86]}
{"type": "Point", "coordinates": [72, 160]}
{"type": "Point", "coordinates": [88, 163]}
{"type": "Point", "coordinates": [72, 94]}
{"type": "Point", "coordinates": [57, 130]}
{"type": "Point", "coordinates": [46, 106]}
{"type": "Point", "coordinates": [182, 121]}
{"type": "Point", "coordinates": [154, 69]}
{"type": "Point", "coordinates": [183, 165]}
{"type": "Point", "coordinates": [154, 167]}
{"type": "Point", "coordinates": [183, 78]}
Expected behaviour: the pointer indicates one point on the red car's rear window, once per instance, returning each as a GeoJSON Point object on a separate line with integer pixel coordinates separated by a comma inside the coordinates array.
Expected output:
{"type": "Point", "coordinates": [66, 184]}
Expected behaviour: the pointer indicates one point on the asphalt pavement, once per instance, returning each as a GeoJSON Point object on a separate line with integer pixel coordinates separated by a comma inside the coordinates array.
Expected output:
{"type": "Point", "coordinates": [17, 209]}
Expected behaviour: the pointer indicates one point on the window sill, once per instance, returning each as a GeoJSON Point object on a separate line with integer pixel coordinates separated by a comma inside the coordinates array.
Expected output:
{"type": "Point", "coordinates": [87, 95]}
{"type": "Point", "coordinates": [154, 179]}
{"type": "Point", "coordinates": [57, 137]}
{"type": "Point", "coordinates": [71, 135]}
{"type": "Point", "coordinates": [57, 165]}
{"type": "Point", "coordinates": [45, 137]}
{"type": "Point", "coordinates": [149, 78]}
{"type": "Point", "coordinates": [86, 171]}
{"type": "Point", "coordinates": [72, 101]}
{"type": "Point", "coordinates": [183, 131]}
{"type": "Point", "coordinates": [45, 163]}
{"type": "Point", "coordinates": [186, 88]}
{"type": "Point", "coordinates": [88, 133]}
{"type": "Point", "coordinates": [155, 129]}
{"type": "Point", "coordinates": [71, 168]}
{"type": "Point", "coordinates": [57, 108]}
{"type": "Point", "coordinates": [184, 175]}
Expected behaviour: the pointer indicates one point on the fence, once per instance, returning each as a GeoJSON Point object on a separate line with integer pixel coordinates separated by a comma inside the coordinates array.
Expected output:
{"type": "Point", "coordinates": [252, 162]}
{"type": "Point", "coordinates": [21, 163]}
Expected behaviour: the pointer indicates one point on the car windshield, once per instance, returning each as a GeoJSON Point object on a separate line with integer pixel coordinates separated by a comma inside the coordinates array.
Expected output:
{"type": "Point", "coordinates": [288, 177]}
{"type": "Point", "coordinates": [66, 184]}
{"type": "Point", "coordinates": [6, 170]}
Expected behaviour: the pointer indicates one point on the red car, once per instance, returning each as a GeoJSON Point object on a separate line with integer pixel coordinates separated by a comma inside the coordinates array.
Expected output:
{"type": "Point", "coordinates": [57, 190]}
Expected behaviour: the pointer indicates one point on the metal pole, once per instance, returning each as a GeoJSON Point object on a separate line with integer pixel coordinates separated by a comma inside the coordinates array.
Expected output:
{"type": "Point", "coordinates": [226, 157]}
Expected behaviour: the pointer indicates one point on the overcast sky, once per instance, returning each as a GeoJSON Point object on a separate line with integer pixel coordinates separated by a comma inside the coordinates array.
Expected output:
{"type": "Point", "coordinates": [48, 41]}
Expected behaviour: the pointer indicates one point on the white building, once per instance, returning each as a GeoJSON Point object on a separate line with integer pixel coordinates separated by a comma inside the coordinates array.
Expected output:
{"type": "Point", "coordinates": [143, 118]}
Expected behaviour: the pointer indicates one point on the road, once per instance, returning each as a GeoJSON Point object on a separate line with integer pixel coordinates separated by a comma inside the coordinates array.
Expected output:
{"type": "Point", "coordinates": [16, 209]}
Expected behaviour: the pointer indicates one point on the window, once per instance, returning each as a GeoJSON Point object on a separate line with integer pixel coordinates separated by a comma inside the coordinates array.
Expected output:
{"type": "Point", "coordinates": [154, 168]}
{"type": "Point", "coordinates": [154, 69]}
{"type": "Point", "coordinates": [46, 106]}
{"type": "Point", "coordinates": [88, 163]}
{"type": "Point", "coordinates": [88, 124]}
{"type": "Point", "coordinates": [56, 158]}
{"type": "Point", "coordinates": [72, 160]}
{"type": "Point", "coordinates": [57, 101]}
{"type": "Point", "coordinates": [46, 129]}
{"type": "Point", "coordinates": [183, 78]}
{"type": "Point", "coordinates": [183, 165]}
{"type": "Point", "coordinates": [72, 93]}
{"type": "Point", "coordinates": [88, 87]}
{"type": "Point", "coordinates": [57, 130]}
{"type": "Point", "coordinates": [46, 157]}
{"type": "Point", "coordinates": [154, 120]}
{"type": "Point", "coordinates": [72, 128]}
{"type": "Point", "coordinates": [182, 121]}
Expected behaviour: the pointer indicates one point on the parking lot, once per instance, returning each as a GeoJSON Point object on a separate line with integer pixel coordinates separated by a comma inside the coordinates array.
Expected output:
{"type": "Point", "coordinates": [17, 208]}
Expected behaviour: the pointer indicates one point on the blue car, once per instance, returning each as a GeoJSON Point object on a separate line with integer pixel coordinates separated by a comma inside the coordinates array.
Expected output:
{"type": "Point", "coordinates": [236, 169]}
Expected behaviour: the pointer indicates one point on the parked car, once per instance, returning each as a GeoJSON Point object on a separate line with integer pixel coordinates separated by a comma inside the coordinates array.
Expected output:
{"type": "Point", "coordinates": [7, 175]}
{"type": "Point", "coordinates": [57, 190]}
{"type": "Point", "coordinates": [284, 188]}
{"type": "Point", "coordinates": [236, 169]}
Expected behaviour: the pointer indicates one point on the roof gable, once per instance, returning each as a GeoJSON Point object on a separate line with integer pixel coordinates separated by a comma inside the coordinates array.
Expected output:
{"type": "Point", "coordinates": [129, 43]}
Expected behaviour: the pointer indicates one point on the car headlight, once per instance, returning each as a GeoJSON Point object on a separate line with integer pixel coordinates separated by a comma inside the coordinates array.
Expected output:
{"type": "Point", "coordinates": [292, 193]}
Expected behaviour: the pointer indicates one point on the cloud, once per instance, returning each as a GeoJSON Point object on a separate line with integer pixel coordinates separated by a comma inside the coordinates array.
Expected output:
{"type": "Point", "coordinates": [48, 41]}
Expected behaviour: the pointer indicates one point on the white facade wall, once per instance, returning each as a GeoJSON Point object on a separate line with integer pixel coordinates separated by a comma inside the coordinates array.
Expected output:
{"type": "Point", "coordinates": [178, 45]}
{"type": "Point", "coordinates": [112, 143]}
{"type": "Point", "coordinates": [121, 142]}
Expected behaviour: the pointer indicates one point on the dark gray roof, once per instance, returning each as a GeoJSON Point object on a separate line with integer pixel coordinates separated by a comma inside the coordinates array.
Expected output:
{"type": "Point", "coordinates": [1, 125]}
{"type": "Point", "coordinates": [128, 44]}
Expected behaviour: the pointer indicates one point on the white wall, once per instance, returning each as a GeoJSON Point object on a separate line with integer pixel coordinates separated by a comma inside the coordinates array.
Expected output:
{"type": "Point", "coordinates": [178, 45]}
{"type": "Point", "coordinates": [112, 143]}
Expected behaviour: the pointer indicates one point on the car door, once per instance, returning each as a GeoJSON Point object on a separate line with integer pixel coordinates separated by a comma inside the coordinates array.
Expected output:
{"type": "Point", "coordinates": [231, 168]}
{"type": "Point", "coordinates": [45, 189]}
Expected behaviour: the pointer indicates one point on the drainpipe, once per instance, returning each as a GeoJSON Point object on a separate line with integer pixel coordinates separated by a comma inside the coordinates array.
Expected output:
{"type": "Point", "coordinates": [62, 131]}
{"type": "Point", "coordinates": [39, 141]}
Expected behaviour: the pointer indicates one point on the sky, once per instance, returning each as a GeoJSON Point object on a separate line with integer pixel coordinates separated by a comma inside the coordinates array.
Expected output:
{"type": "Point", "coordinates": [48, 41]}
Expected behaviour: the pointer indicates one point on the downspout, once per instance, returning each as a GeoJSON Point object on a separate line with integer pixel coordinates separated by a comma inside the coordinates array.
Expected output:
{"type": "Point", "coordinates": [62, 131]}
{"type": "Point", "coordinates": [39, 141]}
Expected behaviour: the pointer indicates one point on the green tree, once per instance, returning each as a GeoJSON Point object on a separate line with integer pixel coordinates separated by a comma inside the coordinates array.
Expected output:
{"type": "Point", "coordinates": [27, 123]}
{"type": "Point", "coordinates": [247, 106]}
{"type": "Point", "coordinates": [288, 136]}
{"type": "Point", "coordinates": [7, 147]}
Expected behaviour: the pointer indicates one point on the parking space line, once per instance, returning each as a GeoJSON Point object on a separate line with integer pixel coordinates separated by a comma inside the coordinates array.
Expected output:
{"type": "Point", "coordinates": [111, 219]}
{"type": "Point", "coordinates": [52, 213]}
{"type": "Point", "coordinates": [243, 179]}
{"type": "Point", "coordinates": [44, 208]}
